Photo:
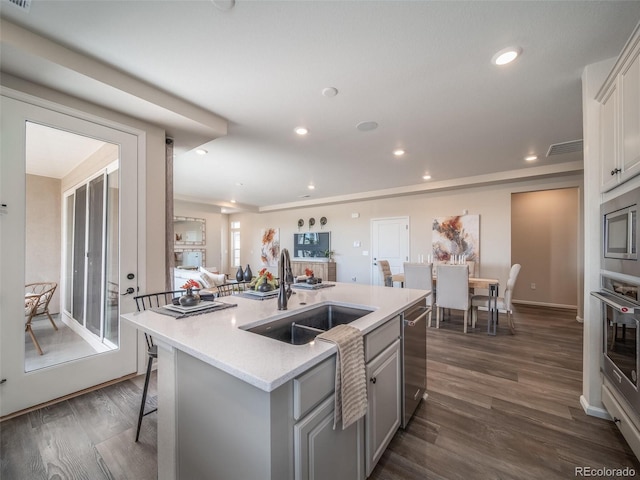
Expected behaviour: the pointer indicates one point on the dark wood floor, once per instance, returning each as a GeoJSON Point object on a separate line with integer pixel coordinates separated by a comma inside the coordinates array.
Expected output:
{"type": "Point", "coordinates": [503, 407]}
{"type": "Point", "coordinates": [90, 437]}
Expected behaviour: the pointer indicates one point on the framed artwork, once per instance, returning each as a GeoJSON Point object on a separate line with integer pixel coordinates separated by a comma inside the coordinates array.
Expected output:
{"type": "Point", "coordinates": [270, 248]}
{"type": "Point", "coordinates": [456, 235]}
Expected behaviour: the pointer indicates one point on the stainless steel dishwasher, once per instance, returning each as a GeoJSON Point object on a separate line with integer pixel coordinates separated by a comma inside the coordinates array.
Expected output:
{"type": "Point", "coordinates": [414, 359]}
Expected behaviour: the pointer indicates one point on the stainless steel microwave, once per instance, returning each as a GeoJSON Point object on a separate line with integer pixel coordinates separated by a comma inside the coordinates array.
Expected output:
{"type": "Point", "coordinates": [620, 234]}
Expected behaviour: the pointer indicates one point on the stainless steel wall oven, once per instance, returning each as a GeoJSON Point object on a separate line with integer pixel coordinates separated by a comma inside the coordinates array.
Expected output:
{"type": "Point", "coordinates": [619, 295]}
{"type": "Point", "coordinates": [621, 339]}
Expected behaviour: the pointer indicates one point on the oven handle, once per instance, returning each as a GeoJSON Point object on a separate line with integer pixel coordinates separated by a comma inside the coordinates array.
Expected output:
{"type": "Point", "coordinates": [412, 322]}
{"type": "Point", "coordinates": [616, 303]}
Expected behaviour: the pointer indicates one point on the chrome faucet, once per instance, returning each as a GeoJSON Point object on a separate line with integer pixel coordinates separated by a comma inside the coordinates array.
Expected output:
{"type": "Point", "coordinates": [286, 279]}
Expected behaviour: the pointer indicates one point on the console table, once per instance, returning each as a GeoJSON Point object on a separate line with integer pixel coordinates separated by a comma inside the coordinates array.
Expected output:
{"type": "Point", "coordinates": [324, 270]}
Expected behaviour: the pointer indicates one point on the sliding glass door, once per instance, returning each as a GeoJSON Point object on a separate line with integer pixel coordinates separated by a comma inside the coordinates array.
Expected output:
{"type": "Point", "coordinates": [91, 248]}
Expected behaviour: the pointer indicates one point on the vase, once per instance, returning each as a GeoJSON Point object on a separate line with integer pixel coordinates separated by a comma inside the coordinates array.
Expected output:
{"type": "Point", "coordinates": [248, 274]}
{"type": "Point", "coordinates": [189, 299]}
{"type": "Point", "coordinates": [265, 286]}
{"type": "Point", "coordinates": [239, 275]}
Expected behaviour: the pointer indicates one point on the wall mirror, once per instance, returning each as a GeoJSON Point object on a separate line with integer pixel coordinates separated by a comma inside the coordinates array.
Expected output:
{"type": "Point", "coordinates": [189, 231]}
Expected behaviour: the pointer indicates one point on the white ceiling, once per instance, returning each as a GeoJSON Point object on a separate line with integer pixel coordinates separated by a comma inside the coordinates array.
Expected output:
{"type": "Point", "coordinates": [420, 69]}
{"type": "Point", "coordinates": [70, 150]}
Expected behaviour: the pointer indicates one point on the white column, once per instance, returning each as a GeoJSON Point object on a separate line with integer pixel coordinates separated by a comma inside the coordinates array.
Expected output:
{"type": "Point", "coordinates": [593, 77]}
{"type": "Point", "coordinates": [167, 453]}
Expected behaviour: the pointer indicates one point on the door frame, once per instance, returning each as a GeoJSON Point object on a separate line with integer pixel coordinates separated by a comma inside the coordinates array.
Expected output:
{"type": "Point", "coordinates": [20, 390]}
{"type": "Point", "coordinates": [375, 280]}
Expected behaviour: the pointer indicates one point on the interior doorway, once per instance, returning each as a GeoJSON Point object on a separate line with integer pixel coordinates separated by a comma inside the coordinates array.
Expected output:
{"type": "Point", "coordinates": [545, 241]}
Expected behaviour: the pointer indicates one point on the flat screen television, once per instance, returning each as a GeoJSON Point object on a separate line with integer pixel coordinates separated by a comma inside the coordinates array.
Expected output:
{"type": "Point", "coordinates": [311, 244]}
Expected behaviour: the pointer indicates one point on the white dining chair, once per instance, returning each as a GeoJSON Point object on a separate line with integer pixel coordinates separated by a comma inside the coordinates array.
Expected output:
{"type": "Point", "coordinates": [473, 271]}
{"type": "Point", "coordinates": [453, 291]}
{"type": "Point", "coordinates": [420, 276]}
{"type": "Point", "coordinates": [504, 303]}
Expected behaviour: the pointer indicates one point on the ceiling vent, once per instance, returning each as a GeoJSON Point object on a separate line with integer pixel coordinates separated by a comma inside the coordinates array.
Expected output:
{"type": "Point", "coordinates": [565, 147]}
{"type": "Point", "coordinates": [21, 4]}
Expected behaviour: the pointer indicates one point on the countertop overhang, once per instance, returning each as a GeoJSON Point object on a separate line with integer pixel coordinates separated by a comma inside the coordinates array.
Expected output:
{"type": "Point", "coordinates": [219, 340]}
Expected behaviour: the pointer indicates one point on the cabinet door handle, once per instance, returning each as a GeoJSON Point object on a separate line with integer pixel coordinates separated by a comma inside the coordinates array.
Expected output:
{"type": "Point", "coordinates": [616, 170]}
{"type": "Point", "coordinates": [372, 379]}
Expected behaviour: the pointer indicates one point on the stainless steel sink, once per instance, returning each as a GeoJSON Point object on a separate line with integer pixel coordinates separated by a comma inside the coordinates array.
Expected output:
{"type": "Point", "coordinates": [300, 328]}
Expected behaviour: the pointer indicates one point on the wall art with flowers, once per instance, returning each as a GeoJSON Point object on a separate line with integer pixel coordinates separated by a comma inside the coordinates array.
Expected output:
{"type": "Point", "coordinates": [270, 247]}
{"type": "Point", "coordinates": [456, 235]}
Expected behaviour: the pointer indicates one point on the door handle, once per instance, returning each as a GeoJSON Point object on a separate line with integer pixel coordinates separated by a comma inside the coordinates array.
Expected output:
{"type": "Point", "coordinates": [129, 291]}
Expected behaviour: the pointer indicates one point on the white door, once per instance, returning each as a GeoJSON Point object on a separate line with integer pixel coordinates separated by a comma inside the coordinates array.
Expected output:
{"type": "Point", "coordinates": [389, 241]}
{"type": "Point", "coordinates": [21, 389]}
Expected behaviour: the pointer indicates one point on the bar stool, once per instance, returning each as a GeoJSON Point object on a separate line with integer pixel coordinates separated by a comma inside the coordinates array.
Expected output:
{"type": "Point", "coordinates": [144, 302]}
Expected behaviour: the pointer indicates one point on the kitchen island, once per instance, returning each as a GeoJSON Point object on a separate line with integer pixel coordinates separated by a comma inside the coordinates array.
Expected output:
{"type": "Point", "coordinates": [235, 404]}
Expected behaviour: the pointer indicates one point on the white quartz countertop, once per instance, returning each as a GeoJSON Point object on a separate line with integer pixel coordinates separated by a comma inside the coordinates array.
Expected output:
{"type": "Point", "coordinates": [218, 338]}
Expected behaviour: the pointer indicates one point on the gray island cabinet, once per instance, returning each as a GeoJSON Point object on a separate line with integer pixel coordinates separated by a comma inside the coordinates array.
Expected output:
{"type": "Point", "coordinates": [236, 405]}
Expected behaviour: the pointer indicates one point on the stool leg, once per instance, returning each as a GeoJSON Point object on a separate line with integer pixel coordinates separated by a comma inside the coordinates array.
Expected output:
{"type": "Point", "coordinates": [144, 396]}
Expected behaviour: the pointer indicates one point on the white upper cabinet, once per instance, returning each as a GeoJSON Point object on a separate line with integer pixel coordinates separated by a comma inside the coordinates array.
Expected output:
{"type": "Point", "coordinates": [630, 115]}
{"type": "Point", "coordinates": [620, 117]}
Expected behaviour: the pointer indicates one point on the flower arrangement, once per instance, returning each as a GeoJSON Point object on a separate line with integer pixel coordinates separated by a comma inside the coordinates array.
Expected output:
{"type": "Point", "coordinates": [190, 285]}
{"type": "Point", "coordinates": [308, 272]}
{"type": "Point", "coordinates": [265, 277]}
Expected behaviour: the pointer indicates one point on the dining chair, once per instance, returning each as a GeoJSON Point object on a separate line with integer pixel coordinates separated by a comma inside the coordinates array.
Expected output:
{"type": "Point", "coordinates": [504, 303]}
{"type": "Point", "coordinates": [36, 302]}
{"type": "Point", "coordinates": [453, 291]}
{"type": "Point", "coordinates": [147, 302]}
{"type": "Point", "coordinates": [420, 276]}
{"type": "Point", "coordinates": [389, 278]}
{"type": "Point", "coordinates": [473, 271]}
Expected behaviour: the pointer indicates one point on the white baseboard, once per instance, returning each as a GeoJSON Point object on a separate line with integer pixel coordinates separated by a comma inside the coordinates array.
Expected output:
{"type": "Point", "coordinates": [593, 411]}
{"type": "Point", "coordinates": [544, 304]}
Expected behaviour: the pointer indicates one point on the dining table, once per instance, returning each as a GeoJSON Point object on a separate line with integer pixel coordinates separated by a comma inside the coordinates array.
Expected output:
{"type": "Point", "coordinates": [491, 284]}
{"type": "Point", "coordinates": [477, 282]}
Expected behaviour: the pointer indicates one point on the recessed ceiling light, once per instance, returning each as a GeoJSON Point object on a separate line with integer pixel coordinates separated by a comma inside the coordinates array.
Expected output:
{"type": "Point", "coordinates": [311, 187]}
{"type": "Point", "coordinates": [239, 184]}
{"type": "Point", "coordinates": [330, 91]}
{"type": "Point", "coordinates": [399, 152]}
{"type": "Point", "coordinates": [426, 177]}
{"type": "Point", "coordinates": [367, 126]}
{"type": "Point", "coordinates": [233, 201]}
{"type": "Point", "coordinates": [224, 5]}
{"type": "Point", "coordinates": [201, 151]}
{"type": "Point", "coordinates": [531, 158]}
{"type": "Point", "coordinates": [506, 55]}
{"type": "Point", "coordinates": [301, 130]}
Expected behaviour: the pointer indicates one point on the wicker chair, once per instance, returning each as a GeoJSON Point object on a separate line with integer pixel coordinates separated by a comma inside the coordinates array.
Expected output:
{"type": "Point", "coordinates": [36, 302]}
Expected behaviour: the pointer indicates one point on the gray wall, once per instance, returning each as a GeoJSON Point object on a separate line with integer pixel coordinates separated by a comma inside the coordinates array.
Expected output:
{"type": "Point", "coordinates": [43, 233]}
{"type": "Point", "coordinates": [213, 229]}
{"type": "Point", "coordinates": [544, 240]}
{"type": "Point", "coordinates": [492, 203]}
